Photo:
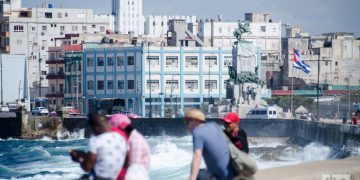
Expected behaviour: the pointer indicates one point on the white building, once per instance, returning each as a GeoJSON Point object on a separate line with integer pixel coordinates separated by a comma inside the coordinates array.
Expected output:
{"type": "Point", "coordinates": [157, 26]}
{"type": "Point", "coordinates": [128, 16]}
{"type": "Point", "coordinates": [31, 31]}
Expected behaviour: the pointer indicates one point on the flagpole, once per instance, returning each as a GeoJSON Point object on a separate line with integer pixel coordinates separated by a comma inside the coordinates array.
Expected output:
{"type": "Point", "coordinates": [318, 90]}
{"type": "Point", "coordinates": [292, 92]}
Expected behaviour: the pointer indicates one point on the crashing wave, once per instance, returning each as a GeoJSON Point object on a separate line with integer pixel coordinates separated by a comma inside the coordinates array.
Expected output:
{"type": "Point", "coordinates": [66, 135]}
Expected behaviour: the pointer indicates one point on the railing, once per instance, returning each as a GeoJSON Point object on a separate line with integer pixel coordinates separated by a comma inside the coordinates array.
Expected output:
{"type": "Point", "coordinates": [59, 75]}
{"type": "Point", "coordinates": [55, 95]}
{"type": "Point", "coordinates": [55, 61]}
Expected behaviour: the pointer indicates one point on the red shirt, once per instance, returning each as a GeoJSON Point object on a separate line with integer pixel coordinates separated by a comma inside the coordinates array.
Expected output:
{"type": "Point", "coordinates": [122, 173]}
{"type": "Point", "coordinates": [355, 120]}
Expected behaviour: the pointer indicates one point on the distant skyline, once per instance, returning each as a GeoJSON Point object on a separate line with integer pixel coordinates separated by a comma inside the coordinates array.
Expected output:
{"type": "Point", "coordinates": [313, 16]}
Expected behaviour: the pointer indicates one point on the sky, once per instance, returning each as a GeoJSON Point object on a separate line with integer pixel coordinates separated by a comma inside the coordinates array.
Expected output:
{"type": "Point", "coordinates": [314, 16]}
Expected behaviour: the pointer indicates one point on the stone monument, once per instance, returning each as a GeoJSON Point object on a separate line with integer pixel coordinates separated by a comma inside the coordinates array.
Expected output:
{"type": "Point", "coordinates": [245, 77]}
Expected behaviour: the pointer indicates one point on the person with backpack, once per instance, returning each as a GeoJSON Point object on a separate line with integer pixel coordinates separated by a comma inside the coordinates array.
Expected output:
{"type": "Point", "coordinates": [237, 135]}
{"type": "Point", "coordinates": [208, 142]}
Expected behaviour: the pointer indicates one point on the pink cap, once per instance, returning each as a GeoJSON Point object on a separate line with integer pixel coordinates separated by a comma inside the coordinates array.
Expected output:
{"type": "Point", "coordinates": [119, 120]}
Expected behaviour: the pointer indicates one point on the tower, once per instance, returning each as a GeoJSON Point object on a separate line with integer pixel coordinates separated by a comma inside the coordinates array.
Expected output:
{"type": "Point", "coordinates": [128, 16]}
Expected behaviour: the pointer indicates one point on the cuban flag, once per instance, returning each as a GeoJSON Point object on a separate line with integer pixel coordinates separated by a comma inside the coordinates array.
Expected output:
{"type": "Point", "coordinates": [300, 64]}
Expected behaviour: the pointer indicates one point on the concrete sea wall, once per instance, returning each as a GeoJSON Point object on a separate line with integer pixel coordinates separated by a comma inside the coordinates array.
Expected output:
{"type": "Point", "coordinates": [303, 131]}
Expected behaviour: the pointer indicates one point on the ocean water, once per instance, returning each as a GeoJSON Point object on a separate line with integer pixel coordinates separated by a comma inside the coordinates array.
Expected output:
{"type": "Point", "coordinates": [171, 156]}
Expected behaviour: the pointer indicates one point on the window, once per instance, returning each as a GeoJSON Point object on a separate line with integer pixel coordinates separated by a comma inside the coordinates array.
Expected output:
{"type": "Point", "coordinates": [336, 63]}
{"type": "Point", "coordinates": [44, 73]}
{"type": "Point", "coordinates": [110, 84]}
{"type": "Point", "coordinates": [172, 61]}
{"type": "Point", "coordinates": [84, 28]}
{"type": "Point", "coordinates": [153, 83]}
{"type": "Point", "coordinates": [227, 61]}
{"type": "Point", "coordinates": [121, 84]}
{"type": "Point", "coordinates": [66, 14]}
{"type": "Point", "coordinates": [172, 84]}
{"type": "Point", "coordinates": [110, 61]}
{"type": "Point", "coordinates": [74, 28]}
{"type": "Point", "coordinates": [81, 15]}
{"type": "Point", "coordinates": [90, 62]}
{"type": "Point", "coordinates": [130, 60]}
{"type": "Point", "coordinates": [33, 29]}
{"type": "Point", "coordinates": [191, 61]}
{"type": "Point", "coordinates": [212, 60]}
{"type": "Point", "coordinates": [18, 28]}
{"type": "Point", "coordinates": [48, 15]}
{"type": "Point", "coordinates": [59, 15]}
{"type": "Point", "coordinates": [326, 63]}
{"type": "Point", "coordinates": [191, 84]}
{"type": "Point", "coordinates": [93, 26]}
{"type": "Point", "coordinates": [100, 61]}
{"type": "Point", "coordinates": [210, 84]}
{"type": "Point", "coordinates": [62, 28]}
{"type": "Point", "coordinates": [100, 85]}
{"type": "Point", "coordinates": [19, 42]}
{"type": "Point", "coordinates": [153, 60]}
{"type": "Point", "coordinates": [44, 28]}
{"type": "Point", "coordinates": [120, 61]}
{"type": "Point", "coordinates": [220, 30]}
{"type": "Point", "coordinates": [262, 28]}
{"type": "Point", "coordinates": [131, 84]}
{"type": "Point", "coordinates": [102, 28]}
{"type": "Point", "coordinates": [90, 85]}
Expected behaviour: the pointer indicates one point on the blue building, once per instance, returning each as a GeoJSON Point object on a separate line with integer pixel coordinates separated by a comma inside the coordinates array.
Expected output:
{"type": "Point", "coordinates": [176, 78]}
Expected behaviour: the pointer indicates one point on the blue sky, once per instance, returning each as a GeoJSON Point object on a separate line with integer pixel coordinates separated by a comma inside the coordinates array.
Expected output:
{"type": "Point", "coordinates": [314, 16]}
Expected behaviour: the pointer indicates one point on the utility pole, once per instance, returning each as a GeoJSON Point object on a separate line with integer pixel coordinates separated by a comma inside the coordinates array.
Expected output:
{"type": "Point", "coordinates": [2, 89]}
{"type": "Point", "coordinates": [150, 83]}
{"type": "Point", "coordinates": [39, 74]}
{"type": "Point", "coordinates": [318, 90]}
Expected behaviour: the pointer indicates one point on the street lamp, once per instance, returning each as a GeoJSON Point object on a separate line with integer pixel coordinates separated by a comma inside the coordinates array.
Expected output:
{"type": "Point", "coordinates": [150, 83]}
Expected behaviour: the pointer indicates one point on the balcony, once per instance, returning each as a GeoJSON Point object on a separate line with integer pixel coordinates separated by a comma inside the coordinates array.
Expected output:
{"type": "Point", "coordinates": [5, 34]}
{"type": "Point", "coordinates": [59, 61]}
{"type": "Point", "coordinates": [55, 95]}
{"type": "Point", "coordinates": [5, 49]}
{"type": "Point", "coordinates": [59, 75]}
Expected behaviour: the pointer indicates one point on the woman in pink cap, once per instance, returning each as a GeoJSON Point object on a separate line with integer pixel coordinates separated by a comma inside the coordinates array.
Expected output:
{"type": "Point", "coordinates": [139, 150]}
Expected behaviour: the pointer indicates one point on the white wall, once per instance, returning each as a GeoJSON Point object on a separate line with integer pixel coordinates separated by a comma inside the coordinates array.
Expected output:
{"type": "Point", "coordinates": [15, 74]}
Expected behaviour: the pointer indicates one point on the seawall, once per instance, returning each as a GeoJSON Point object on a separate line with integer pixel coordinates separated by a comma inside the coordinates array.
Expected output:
{"type": "Point", "coordinates": [302, 131]}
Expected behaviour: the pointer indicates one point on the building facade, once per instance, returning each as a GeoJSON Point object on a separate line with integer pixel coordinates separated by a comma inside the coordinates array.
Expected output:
{"type": "Point", "coordinates": [264, 34]}
{"type": "Point", "coordinates": [338, 57]}
{"type": "Point", "coordinates": [176, 78]}
{"type": "Point", "coordinates": [31, 31]}
{"type": "Point", "coordinates": [128, 16]}
{"type": "Point", "coordinates": [56, 76]}
{"type": "Point", "coordinates": [158, 26]}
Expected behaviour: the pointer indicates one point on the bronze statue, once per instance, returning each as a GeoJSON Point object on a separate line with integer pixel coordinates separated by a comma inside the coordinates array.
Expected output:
{"type": "Point", "coordinates": [243, 27]}
{"type": "Point", "coordinates": [244, 77]}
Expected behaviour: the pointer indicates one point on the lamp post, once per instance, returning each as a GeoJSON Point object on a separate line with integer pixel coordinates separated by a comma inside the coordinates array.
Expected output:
{"type": "Point", "coordinates": [150, 89]}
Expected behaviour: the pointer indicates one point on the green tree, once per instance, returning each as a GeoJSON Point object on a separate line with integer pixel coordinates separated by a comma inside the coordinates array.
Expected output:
{"type": "Point", "coordinates": [285, 102]}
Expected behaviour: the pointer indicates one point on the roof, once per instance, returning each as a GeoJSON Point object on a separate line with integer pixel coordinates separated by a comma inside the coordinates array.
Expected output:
{"type": "Point", "coordinates": [301, 110]}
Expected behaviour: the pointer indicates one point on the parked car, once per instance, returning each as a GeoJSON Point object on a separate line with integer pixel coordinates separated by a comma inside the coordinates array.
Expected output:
{"type": "Point", "coordinates": [4, 109]}
{"type": "Point", "coordinates": [40, 111]}
{"type": "Point", "coordinates": [12, 107]}
{"type": "Point", "coordinates": [72, 110]}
